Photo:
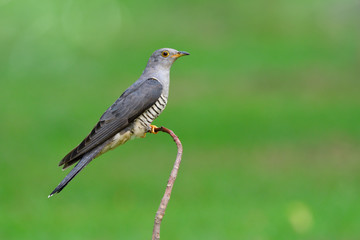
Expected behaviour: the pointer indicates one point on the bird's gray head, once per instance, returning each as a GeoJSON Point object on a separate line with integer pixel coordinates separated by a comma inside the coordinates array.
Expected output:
{"type": "Point", "coordinates": [163, 58]}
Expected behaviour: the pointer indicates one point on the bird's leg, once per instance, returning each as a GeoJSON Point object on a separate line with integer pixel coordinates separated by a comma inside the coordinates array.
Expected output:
{"type": "Point", "coordinates": [152, 130]}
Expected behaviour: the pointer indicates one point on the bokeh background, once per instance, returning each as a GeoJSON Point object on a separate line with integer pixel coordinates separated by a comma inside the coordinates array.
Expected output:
{"type": "Point", "coordinates": [267, 107]}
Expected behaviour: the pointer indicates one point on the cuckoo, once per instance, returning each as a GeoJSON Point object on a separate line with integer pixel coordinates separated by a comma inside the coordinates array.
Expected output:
{"type": "Point", "coordinates": [130, 116]}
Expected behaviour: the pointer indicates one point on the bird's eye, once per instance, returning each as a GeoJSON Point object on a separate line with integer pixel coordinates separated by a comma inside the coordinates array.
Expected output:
{"type": "Point", "coordinates": [165, 53]}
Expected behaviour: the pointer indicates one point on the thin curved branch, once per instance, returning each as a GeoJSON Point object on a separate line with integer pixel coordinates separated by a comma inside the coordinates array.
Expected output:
{"type": "Point", "coordinates": [165, 200]}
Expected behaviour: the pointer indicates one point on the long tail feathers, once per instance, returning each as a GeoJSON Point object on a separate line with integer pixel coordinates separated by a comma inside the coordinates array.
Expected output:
{"type": "Point", "coordinates": [85, 160]}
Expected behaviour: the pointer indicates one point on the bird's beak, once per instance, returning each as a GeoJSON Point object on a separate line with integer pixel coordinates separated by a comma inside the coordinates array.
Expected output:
{"type": "Point", "coordinates": [180, 54]}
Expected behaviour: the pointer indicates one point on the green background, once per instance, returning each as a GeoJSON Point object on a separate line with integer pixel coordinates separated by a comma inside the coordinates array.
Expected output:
{"type": "Point", "coordinates": [267, 107]}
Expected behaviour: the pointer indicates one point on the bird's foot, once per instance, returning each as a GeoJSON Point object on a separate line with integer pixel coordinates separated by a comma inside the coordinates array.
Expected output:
{"type": "Point", "coordinates": [152, 130]}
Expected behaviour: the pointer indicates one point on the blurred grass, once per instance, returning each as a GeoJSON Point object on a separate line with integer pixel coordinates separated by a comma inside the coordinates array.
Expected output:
{"type": "Point", "coordinates": [267, 107]}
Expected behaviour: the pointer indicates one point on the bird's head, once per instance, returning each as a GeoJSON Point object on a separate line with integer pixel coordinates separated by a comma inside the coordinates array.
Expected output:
{"type": "Point", "coordinates": [165, 57]}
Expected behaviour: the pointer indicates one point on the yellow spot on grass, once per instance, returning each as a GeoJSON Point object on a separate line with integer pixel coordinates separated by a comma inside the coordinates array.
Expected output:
{"type": "Point", "coordinates": [300, 217]}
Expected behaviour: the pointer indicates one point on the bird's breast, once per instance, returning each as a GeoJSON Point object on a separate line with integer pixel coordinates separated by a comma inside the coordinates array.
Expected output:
{"type": "Point", "coordinates": [153, 112]}
{"type": "Point", "coordinates": [139, 127]}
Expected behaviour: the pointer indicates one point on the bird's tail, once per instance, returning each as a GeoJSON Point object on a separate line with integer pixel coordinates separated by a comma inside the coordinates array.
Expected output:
{"type": "Point", "coordinates": [85, 160]}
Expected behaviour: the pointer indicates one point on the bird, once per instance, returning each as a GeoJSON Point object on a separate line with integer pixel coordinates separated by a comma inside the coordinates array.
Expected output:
{"type": "Point", "coordinates": [129, 117]}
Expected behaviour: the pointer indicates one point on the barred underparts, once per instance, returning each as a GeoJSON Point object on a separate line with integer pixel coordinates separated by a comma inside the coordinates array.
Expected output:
{"type": "Point", "coordinates": [153, 112]}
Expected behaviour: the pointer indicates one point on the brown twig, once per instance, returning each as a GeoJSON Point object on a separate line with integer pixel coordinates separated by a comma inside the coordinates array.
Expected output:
{"type": "Point", "coordinates": [165, 200]}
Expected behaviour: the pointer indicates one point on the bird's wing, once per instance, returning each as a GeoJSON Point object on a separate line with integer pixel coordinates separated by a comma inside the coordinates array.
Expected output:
{"type": "Point", "coordinates": [130, 105]}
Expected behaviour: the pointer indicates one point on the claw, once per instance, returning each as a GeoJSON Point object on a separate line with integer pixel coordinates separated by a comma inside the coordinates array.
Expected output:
{"type": "Point", "coordinates": [152, 130]}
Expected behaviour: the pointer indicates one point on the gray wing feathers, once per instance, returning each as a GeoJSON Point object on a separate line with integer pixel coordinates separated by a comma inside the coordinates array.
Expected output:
{"type": "Point", "coordinates": [130, 105]}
